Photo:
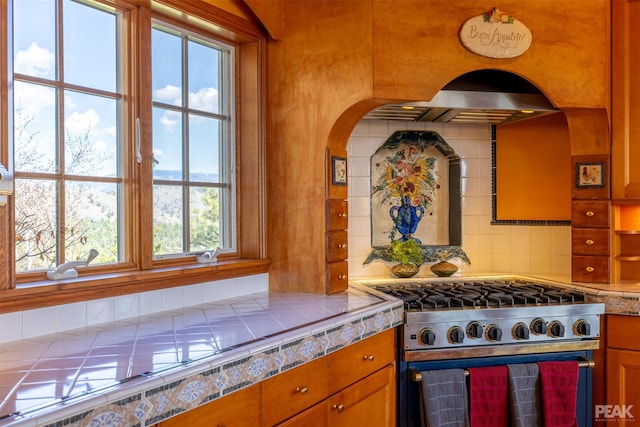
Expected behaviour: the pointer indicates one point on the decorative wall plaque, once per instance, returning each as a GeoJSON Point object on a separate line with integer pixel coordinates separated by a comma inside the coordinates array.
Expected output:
{"type": "Point", "coordinates": [495, 35]}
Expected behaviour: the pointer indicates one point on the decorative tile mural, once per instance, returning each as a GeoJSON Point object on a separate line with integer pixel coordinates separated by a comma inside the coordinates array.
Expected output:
{"type": "Point", "coordinates": [410, 188]}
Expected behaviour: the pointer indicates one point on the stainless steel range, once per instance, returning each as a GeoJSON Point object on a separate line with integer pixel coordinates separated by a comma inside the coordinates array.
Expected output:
{"type": "Point", "coordinates": [482, 322]}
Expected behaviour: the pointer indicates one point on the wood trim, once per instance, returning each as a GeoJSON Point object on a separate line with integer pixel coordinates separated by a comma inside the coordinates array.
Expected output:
{"type": "Point", "coordinates": [111, 285]}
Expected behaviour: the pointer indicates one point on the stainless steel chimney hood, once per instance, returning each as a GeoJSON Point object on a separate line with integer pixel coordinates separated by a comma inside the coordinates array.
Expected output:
{"type": "Point", "coordinates": [486, 96]}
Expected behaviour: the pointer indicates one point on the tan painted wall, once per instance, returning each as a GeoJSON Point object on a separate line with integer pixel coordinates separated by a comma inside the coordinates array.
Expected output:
{"type": "Point", "coordinates": [338, 59]}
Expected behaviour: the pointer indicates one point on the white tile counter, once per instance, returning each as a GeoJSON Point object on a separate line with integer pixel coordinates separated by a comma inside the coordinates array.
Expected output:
{"type": "Point", "coordinates": [143, 370]}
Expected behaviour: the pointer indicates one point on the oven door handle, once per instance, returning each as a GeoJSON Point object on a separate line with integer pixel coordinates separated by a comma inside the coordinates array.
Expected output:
{"type": "Point", "coordinates": [416, 376]}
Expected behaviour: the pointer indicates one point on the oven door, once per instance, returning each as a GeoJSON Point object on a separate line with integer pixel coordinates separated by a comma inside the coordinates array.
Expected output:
{"type": "Point", "coordinates": [409, 390]}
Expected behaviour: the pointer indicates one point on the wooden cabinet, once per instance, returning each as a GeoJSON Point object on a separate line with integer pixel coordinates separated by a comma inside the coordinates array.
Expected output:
{"type": "Point", "coordinates": [625, 99]}
{"type": "Point", "coordinates": [623, 364]}
{"type": "Point", "coordinates": [590, 243]}
{"type": "Point", "coordinates": [371, 399]}
{"type": "Point", "coordinates": [359, 360]}
{"type": "Point", "coordinates": [294, 391]}
{"type": "Point", "coordinates": [241, 408]}
{"type": "Point", "coordinates": [337, 220]}
{"type": "Point", "coordinates": [342, 389]}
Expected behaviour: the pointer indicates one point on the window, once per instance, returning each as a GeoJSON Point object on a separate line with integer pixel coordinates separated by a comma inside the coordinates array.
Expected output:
{"type": "Point", "coordinates": [68, 105]}
{"type": "Point", "coordinates": [192, 142]}
{"type": "Point", "coordinates": [124, 124]}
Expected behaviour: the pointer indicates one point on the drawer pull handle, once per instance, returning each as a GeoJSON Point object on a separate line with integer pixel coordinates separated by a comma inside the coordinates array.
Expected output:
{"type": "Point", "coordinates": [341, 215]}
{"type": "Point", "coordinates": [369, 357]}
{"type": "Point", "coordinates": [589, 242]}
{"type": "Point", "coordinates": [342, 277]}
{"type": "Point", "coordinates": [589, 213]}
{"type": "Point", "coordinates": [302, 390]}
{"type": "Point", "coordinates": [342, 246]}
{"type": "Point", "coordinates": [590, 269]}
{"type": "Point", "coordinates": [339, 407]}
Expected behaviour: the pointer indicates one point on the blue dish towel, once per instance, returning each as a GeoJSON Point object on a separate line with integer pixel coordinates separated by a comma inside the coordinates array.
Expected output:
{"type": "Point", "coordinates": [444, 398]}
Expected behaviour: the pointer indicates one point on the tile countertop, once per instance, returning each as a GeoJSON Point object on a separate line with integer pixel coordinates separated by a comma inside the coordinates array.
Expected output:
{"type": "Point", "coordinates": [141, 371]}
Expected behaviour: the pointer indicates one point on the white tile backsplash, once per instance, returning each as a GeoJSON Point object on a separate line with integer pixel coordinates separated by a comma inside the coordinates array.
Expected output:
{"type": "Point", "coordinates": [511, 249]}
{"type": "Point", "coordinates": [43, 321]}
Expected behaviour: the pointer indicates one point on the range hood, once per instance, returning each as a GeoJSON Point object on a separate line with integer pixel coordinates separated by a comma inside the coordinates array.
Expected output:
{"type": "Point", "coordinates": [486, 96]}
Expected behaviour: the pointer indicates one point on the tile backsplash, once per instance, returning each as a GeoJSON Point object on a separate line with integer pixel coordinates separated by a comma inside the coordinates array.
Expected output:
{"type": "Point", "coordinates": [512, 249]}
{"type": "Point", "coordinates": [49, 320]}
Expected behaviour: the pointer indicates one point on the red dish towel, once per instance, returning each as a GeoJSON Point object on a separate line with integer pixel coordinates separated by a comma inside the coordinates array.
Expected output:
{"type": "Point", "coordinates": [488, 389]}
{"type": "Point", "coordinates": [559, 386]}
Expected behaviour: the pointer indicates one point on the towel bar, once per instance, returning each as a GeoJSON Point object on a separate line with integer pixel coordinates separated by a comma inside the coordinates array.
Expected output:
{"type": "Point", "coordinates": [416, 376]}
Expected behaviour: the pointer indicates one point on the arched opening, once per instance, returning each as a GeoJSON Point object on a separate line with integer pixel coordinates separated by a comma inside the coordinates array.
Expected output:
{"type": "Point", "coordinates": [490, 249]}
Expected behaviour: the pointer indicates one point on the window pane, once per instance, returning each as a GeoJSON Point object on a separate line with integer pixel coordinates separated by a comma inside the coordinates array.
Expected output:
{"type": "Point", "coordinates": [204, 85]}
{"type": "Point", "coordinates": [36, 231]}
{"type": "Point", "coordinates": [90, 135]}
{"type": "Point", "coordinates": [91, 221]}
{"type": "Point", "coordinates": [204, 146]}
{"type": "Point", "coordinates": [166, 68]}
{"type": "Point", "coordinates": [167, 220]}
{"type": "Point", "coordinates": [167, 144]}
{"type": "Point", "coordinates": [34, 51]}
{"type": "Point", "coordinates": [205, 219]}
{"type": "Point", "coordinates": [89, 61]}
{"type": "Point", "coordinates": [34, 128]}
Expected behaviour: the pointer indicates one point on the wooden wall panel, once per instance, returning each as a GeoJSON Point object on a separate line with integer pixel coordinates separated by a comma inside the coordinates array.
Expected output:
{"type": "Point", "coordinates": [339, 59]}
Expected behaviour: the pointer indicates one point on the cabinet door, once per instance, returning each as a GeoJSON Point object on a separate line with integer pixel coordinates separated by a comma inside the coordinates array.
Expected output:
{"type": "Point", "coordinates": [316, 416]}
{"type": "Point", "coordinates": [360, 359]}
{"type": "Point", "coordinates": [370, 401]}
{"type": "Point", "coordinates": [241, 409]}
{"type": "Point", "coordinates": [293, 391]}
{"type": "Point", "coordinates": [623, 371]}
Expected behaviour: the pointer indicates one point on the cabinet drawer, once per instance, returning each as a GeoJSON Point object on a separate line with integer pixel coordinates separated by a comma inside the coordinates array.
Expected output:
{"type": "Point", "coordinates": [590, 213]}
{"type": "Point", "coordinates": [590, 269]}
{"type": "Point", "coordinates": [361, 359]}
{"type": "Point", "coordinates": [292, 392]}
{"type": "Point", "coordinates": [337, 276]}
{"type": "Point", "coordinates": [337, 212]}
{"type": "Point", "coordinates": [590, 241]}
{"type": "Point", "coordinates": [622, 332]}
{"type": "Point", "coordinates": [336, 246]}
{"type": "Point", "coordinates": [241, 408]}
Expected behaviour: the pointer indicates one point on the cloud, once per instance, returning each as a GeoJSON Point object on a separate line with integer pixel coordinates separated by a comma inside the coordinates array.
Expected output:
{"type": "Point", "coordinates": [34, 61]}
{"type": "Point", "coordinates": [169, 120]}
{"type": "Point", "coordinates": [169, 95]}
{"type": "Point", "coordinates": [32, 100]}
{"type": "Point", "coordinates": [206, 99]}
{"type": "Point", "coordinates": [80, 123]}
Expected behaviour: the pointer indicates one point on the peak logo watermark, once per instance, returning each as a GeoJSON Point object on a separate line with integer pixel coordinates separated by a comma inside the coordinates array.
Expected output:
{"type": "Point", "coordinates": [613, 412]}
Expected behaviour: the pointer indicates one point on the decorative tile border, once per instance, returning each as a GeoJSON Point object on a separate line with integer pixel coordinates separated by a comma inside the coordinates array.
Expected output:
{"type": "Point", "coordinates": [150, 403]}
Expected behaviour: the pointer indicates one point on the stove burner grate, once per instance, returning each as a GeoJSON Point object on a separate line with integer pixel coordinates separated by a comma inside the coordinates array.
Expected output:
{"type": "Point", "coordinates": [479, 294]}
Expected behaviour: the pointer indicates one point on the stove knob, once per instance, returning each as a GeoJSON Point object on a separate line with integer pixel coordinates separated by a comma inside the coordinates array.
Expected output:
{"type": "Point", "coordinates": [521, 331]}
{"type": "Point", "coordinates": [494, 333]}
{"type": "Point", "coordinates": [427, 336]}
{"type": "Point", "coordinates": [456, 335]}
{"type": "Point", "coordinates": [582, 327]}
{"type": "Point", "coordinates": [556, 329]}
{"type": "Point", "coordinates": [474, 330]}
{"type": "Point", "coordinates": [538, 326]}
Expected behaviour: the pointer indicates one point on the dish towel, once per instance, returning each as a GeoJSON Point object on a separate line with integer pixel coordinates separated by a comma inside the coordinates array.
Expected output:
{"type": "Point", "coordinates": [524, 395]}
{"type": "Point", "coordinates": [489, 397]}
{"type": "Point", "coordinates": [444, 398]}
{"type": "Point", "coordinates": [559, 384]}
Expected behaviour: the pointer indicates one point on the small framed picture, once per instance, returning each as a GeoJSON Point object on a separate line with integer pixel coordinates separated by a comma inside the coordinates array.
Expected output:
{"type": "Point", "coordinates": [339, 170]}
{"type": "Point", "coordinates": [590, 174]}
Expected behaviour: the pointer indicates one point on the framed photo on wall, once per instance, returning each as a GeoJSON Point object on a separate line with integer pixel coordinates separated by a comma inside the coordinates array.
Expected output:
{"type": "Point", "coordinates": [339, 170]}
{"type": "Point", "coordinates": [590, 175]}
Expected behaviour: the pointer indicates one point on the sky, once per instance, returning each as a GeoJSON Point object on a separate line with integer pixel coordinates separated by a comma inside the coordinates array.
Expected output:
{"type": "Point", "coordinates": [90, 58]}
